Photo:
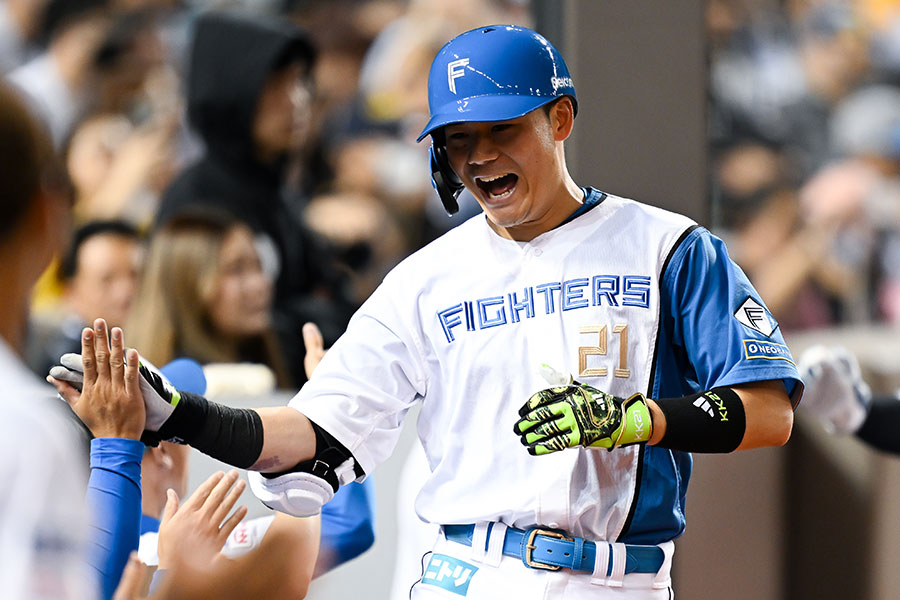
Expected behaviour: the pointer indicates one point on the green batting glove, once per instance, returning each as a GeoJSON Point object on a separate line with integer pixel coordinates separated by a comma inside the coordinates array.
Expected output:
{"type": "Point", "coordinates": [579, 415]}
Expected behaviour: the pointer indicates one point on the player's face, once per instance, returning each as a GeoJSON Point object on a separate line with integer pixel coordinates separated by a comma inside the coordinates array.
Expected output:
{"type": "Point", "coordinates": [515, 169]}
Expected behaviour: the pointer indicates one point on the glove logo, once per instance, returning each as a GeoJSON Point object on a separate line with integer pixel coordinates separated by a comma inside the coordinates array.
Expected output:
{"type": "Point", "coordinates": [704, 405]}
{"type": "Point", "coordinates": [455, 70]}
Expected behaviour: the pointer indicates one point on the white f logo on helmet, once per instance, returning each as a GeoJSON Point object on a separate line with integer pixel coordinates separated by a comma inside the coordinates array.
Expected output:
{"type": "Point", "coordinates": [454, 70]}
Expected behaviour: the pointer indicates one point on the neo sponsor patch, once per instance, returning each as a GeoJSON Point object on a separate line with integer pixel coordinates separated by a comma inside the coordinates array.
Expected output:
{"type": "Point", "coordinates": [449, 573]}
{"type": "Point", "coordinates": [768, 350]}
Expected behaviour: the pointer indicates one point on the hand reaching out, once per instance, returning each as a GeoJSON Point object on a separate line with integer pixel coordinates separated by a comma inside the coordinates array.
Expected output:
{"type": "Point", "coordinates": [315, 348]}
{"type": "Point", "coordinates": [110, 402]}
{"type": "Point", "coordinates": [196, 531]}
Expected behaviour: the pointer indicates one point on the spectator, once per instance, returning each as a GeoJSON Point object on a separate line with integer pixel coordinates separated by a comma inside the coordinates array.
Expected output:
{"type": "Point", "coordinates": [19, 23]}
{"type": "Point", "coordinates": [248, 98]}
{"type": "Point", "coordinates": [99, 273]}
{"type": "Point", "coordinates": [204, 296]}
{"type": "Point", "coordinates": [58, 81]}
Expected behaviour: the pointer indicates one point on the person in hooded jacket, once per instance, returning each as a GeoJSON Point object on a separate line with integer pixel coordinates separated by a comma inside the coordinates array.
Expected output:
{"type": "Point", "coordinates": [249, 95]}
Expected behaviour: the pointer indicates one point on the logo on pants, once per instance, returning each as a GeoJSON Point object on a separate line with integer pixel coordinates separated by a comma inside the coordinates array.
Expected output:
{"type": "Point", "coordinates": [449, 573]}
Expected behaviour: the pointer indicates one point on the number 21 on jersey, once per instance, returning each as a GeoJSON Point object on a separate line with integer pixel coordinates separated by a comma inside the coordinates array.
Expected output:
{"type": "Point", "coordinates": [620, 333]}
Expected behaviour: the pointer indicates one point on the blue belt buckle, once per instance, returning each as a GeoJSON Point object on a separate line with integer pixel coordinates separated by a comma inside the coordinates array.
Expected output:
{"type": "Point", "coordinates": [528, 556]}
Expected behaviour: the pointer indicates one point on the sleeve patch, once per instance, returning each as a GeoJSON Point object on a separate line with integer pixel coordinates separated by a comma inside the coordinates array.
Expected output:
{"type": "Point", "coordinates": [753, 315]}
{"type": "Point", "coordinates": [767, 350]}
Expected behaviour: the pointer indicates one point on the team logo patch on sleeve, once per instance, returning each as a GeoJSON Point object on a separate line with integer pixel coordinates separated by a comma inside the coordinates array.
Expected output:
{"type": "Point", "coordinates": [753, 315]}
{"type": "Point", "coordinates": [767, 350]}
{"type": "Point", "coordinates": [449, 573]}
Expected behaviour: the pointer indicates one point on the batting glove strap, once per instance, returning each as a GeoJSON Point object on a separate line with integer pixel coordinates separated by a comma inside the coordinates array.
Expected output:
{"type": "Point", "coordinates": [709, 422]}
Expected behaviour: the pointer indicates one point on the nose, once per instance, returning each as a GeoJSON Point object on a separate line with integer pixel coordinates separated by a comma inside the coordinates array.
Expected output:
{"type": "Point", "coordinates": [483, 150]}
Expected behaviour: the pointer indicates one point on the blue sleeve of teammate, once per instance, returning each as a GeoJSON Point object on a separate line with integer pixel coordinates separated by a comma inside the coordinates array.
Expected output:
{"type": "Point", "coordinates": [347, 522]}
{"type": "Point", "coordinates": [114, 501]}
{"type": "Point", "coordinates": [719, 319]}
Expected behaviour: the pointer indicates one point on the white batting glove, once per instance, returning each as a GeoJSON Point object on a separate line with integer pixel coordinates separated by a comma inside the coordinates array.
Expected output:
{"type": "Point", "coordinates": [835, 391]}
{"type": "Point", "coordinates": [160, 396]}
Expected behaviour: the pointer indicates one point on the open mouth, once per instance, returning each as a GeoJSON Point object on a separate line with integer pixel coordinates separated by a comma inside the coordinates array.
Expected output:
{"type": "Point", "coordinates": [499, 186]}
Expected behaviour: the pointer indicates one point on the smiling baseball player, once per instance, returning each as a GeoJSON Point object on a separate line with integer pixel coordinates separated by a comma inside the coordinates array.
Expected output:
{"type": "Point", "coordinates": [656, 344]}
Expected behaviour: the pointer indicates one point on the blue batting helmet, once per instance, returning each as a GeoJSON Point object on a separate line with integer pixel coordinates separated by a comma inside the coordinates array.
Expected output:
{"type": "Point", "coordinates": [494, 73]}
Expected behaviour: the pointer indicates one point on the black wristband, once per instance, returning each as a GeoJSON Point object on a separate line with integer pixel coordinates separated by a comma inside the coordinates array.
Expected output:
{"type": "Point", "coordinates": [231, 435]}
{"type": "Point", "coordinates": [710, 422]}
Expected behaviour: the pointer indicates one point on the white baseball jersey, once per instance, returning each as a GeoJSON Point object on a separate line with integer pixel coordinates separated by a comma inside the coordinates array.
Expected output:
{"type": "Point", "coordinates": [627, 297]}
{"type": "Point", "coordinates": [43, 519]}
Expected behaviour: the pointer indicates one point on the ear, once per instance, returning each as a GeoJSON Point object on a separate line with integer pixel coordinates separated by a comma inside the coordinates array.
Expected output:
{"type": "Point", "coordinates": [562, 118]}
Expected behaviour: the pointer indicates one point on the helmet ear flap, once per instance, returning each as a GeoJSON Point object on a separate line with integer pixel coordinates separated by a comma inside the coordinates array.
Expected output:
{"type": "Point", "coordinates": [447, 183]}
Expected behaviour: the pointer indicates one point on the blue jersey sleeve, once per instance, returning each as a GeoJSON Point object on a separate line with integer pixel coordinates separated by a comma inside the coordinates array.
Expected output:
{"type": "Point", "coordinates": [114, 501]}
{"type": "Point", "coordinates": [347, 521]}
{"type": "Point", "coordinates": [719, 322]}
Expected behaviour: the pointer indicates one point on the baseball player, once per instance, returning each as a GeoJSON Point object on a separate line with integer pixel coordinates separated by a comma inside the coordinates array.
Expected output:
{"type": "Point", "coordinates": [655, 346]}
{"type": "Point", "coordinates": [839, 397]}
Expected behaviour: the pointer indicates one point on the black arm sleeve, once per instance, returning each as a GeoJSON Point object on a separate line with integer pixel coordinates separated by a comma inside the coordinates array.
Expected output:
{"type": "Point", "coordinates": [881, 429]}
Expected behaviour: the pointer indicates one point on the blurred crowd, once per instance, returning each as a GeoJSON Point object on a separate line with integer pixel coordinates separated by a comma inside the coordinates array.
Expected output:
{"type": "Point", "coordinates": [188, 125]}
{"type": "Point", "coordinates": [804, 134]}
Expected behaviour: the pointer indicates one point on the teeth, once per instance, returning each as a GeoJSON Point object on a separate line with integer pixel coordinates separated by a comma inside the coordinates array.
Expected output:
{"type": "Point", "coordinates": [490, 179]}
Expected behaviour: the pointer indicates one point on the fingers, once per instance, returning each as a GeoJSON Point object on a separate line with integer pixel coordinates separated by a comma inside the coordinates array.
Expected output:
{"type": "Point", "coordinates": [203, 490]}
{"type": "Point", "coordinates": [218, 494]}
{"type": "Point", "coordinates": [171, 505]}
{"type": "Point", "coordinates": [101, 348]}
{"type": "Point", "coordinates": [544, 431]}
{"type": "Point", "coordinates": [72, 362]}
{"type": "Point", "coordinates": [230, 499]}
{"type": "Point", "coordinates": [315, 348]}
{"type": "Point", "coordinates": [132, 373]}
{"type": "Point", "coordinates": [65, 390]}
{"type": "Point", "coordinates": [132, 581]}
{"type": "Point", "coordinates": [534, 418]}
{"type": "Point", "coordinates": [544, 397]}
{"type": "Point", "coordinates": [116, 355]}
{"type": "Point", "coordinates": [87, 355]}
{"type": "Point", "coordinates": [312, 338]}
{"type": "Point", "coordinates": [232, 522]}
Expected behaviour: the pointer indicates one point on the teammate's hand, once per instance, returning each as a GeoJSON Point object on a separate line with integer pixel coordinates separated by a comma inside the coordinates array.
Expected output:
{"type": "Point", "coordinates": [159, 395]}
{"type": "Point", "coordinates": [579, 415]}
{"type": "Point", "coordinates": [834, 388]}
{"type": "Point", "coordinates": [108, 401]}
{"type": "Point", "coordinates": [315, 348]}
{"type": "Point", "coordinates": [196, 531]}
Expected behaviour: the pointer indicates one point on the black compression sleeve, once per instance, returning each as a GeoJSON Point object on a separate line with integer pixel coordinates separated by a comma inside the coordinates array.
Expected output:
{"type": "Point", "coordinates": [232, 435]}
{"type": "Point", "coordinates": [881, 429]}
{"type": "Point", "coordinates": [711, 422]}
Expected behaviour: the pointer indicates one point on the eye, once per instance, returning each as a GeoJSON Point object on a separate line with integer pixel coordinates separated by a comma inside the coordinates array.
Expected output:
{"type": "Point", "coordinates": [457, 136]}
{"type": "Point", "coordinates": [501, 127]}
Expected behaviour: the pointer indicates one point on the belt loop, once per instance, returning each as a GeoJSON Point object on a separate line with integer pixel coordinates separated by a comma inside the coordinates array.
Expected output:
{"type": "Point", "coordinates": [663, 578]}
{"type": "Point", "coordinates": [601, 564]}
{"type": "Point", "coordinates": [495, 545]}
{"type": "Point", "coordinates": [479, 540]}
{"type": "Point", "coordinates": [577, 552]}
{"type": "Point", "coordinates": [619, 558]}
